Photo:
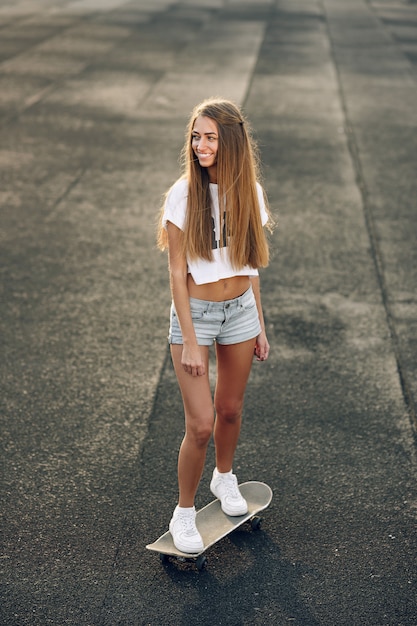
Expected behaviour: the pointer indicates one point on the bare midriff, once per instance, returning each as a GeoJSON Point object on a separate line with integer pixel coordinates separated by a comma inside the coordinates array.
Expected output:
{"type": "Point", "coordinates": [224, 289]}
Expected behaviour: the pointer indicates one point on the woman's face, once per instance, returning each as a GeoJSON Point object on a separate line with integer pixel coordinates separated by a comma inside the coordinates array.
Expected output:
{"type": "Point", "coordinates": [205, 141]}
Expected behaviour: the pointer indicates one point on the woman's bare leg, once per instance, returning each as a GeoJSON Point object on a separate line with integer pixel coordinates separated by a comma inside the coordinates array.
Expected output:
{"type": "Point", "coordinates": [233, 368]}
{"type": "Point", "coordinates": [199, 418]}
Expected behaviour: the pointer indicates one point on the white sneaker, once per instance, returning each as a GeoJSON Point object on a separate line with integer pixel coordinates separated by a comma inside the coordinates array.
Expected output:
{"type": "Point", "coordinates": [225, 488]}
{"type": "Point", "coordinates": [184, 531]}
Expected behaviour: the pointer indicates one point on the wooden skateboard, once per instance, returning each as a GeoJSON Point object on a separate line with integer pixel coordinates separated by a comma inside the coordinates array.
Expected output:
{"type": "Point", "coordinates": [213, 524]}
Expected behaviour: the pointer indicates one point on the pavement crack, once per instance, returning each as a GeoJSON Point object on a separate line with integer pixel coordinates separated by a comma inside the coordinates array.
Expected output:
{"type": "Point", "coordinates": [375, 249]}
{"type": "Point", "coordinates": [54, 209]}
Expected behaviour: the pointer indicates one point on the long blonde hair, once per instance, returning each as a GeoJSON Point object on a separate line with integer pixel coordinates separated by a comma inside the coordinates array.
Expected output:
{"type": "Point", "coordinates": [237, 174]}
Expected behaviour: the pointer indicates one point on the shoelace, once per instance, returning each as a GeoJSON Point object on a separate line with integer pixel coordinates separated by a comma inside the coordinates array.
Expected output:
{"type": "Point", "coordinates": [232, 488]}
{"type": "Point", "coordinates": [188, 525]}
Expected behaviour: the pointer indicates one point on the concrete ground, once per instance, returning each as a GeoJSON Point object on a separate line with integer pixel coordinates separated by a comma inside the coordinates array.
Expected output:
{"type": "Point", "coordinates": [94, 97]}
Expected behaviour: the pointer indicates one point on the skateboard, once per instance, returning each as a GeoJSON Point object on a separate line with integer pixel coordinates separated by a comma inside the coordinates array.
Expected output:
{"type": "Point", "coordinates": [213, 524]}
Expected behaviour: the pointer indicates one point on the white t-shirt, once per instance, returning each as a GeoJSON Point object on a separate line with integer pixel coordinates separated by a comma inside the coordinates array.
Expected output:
{"type": "Point", "coordinates": [201, 270]}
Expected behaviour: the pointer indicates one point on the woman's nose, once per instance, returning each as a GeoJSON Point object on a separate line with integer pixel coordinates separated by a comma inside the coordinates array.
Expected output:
{"type": "Point", "coordinates": [201, 144]}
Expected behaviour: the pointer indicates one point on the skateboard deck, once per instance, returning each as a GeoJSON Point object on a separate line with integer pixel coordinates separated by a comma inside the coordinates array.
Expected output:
{"type": "Point", "coordinates": [213, 524]}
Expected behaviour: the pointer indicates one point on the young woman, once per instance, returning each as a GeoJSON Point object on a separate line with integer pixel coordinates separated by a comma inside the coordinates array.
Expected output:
{"type": "Point", "coordinates": [212, 223]}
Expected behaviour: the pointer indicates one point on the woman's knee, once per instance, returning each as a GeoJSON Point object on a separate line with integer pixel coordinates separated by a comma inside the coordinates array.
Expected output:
{"type": "Point", "coordinates": [229, 411]}
{"type": "Point", "coordinates": [200, 432]}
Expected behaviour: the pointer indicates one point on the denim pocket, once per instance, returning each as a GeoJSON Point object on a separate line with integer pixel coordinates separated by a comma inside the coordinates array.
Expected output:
{"type": "Point", "coordinates": [198, 311]}
{"type": "Point", "coordinates": [249, 304]}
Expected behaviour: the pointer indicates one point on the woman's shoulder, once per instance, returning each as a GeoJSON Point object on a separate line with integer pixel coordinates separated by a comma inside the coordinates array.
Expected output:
{"type": "Point", "coordinates": [179, 190]}
{"type": "Point", "coordinates": [176, 204]}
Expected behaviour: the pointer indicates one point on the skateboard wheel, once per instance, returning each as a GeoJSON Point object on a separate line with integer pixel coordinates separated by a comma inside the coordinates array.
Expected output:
{"type": "Point", "coordinates": [163, 558]}
{"type": "Point", "coordinates": [201, 562]}
{"type": "Point", "coordinates": [256, 523]}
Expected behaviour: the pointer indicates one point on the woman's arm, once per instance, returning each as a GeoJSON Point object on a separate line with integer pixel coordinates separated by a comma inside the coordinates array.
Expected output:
{"type": "Point", "coordinates": [192, 360]}
{"type": "Point", "coordinates": [262, 345]}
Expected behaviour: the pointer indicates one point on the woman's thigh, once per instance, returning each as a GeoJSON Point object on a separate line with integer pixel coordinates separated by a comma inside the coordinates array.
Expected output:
{"type": "Point", "coordinates": [234, 362]}
{"type": "Point", "coordinates": [195, 390]}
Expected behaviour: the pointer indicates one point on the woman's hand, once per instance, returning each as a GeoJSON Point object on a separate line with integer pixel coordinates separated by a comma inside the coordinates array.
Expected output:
{"type": "Point", "coordinates": [192, 360]}
{"type": "Point", "coordinates": [261, 347]}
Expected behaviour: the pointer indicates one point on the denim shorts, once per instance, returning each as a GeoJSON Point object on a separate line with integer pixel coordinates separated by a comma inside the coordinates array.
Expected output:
{"type": "Point", "coordinates": [227, 322]}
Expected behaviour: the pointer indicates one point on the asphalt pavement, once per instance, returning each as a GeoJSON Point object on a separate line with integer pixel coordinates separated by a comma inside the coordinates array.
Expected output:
{"type": "Point", "coordinates": [94, 98]}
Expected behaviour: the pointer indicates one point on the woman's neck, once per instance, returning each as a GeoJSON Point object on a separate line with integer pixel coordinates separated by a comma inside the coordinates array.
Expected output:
{"type": "Point", "coordinates": [212, 172]}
